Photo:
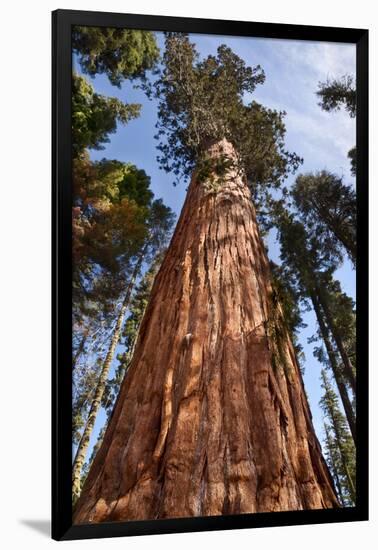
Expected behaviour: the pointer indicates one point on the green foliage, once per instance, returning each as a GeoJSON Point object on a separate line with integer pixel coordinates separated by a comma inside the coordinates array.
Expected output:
{"type": "Point", "coordinates": [309, 264]}
{"type": "Point", "coordinates": [117, 224]}
{"type": "Point", "coordinates": [115, 220]}
{"type": "Point", "coordinates": [160, 223]}
{"type": "Point", "coordinates": [335, 94]}
{"type": "Point", "coordinates": [112, 214]}
{"type": "Point", "coordinates": [112, 286]}
{"type": "Point", "coordinates": [284, 319]}
{"type": "Point", "coordinates": [338, 93]}
{"type": "Point", "coordinates": [352, 156]}
{"type": "Point", "coordinates": [112, 201]}
{"type": "Point", "coordinates": [340, 450]}
{"type": "Point", "coordinates": [110, 236]}
{"type": "Point", "coordinates": [100, 183]}
{"type": "Point", "coordinates": [118, 53]}
{"type": "Point", "coordinates": [136, 186]}
{"type": "Point", "coordinates": [332, 456]}
{"type": "Point", "coordinates": [94, 116]}
{"type": "Point", "coordinates": [203, 101]}
{"type": "Point", "coordinates": [342, 308]}
{"type": "Point", "coordinates": [328, 208]}
{"type": "Point", "coordinates": [306, 260]}
{"type": "Point", "coordinates": [212, 171]}
{"type": "Point", "coordinates": [95, 182]}
{"type": "Point", "coordinates": [286, 295]}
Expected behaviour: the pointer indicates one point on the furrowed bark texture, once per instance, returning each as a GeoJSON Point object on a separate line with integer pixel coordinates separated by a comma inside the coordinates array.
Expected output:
{"type": "Point", "coordinates": [206, 422]}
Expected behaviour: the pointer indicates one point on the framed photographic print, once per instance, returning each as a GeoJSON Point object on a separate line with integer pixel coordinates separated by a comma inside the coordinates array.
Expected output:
{"type": "Point", "coordinates": [210, 192]}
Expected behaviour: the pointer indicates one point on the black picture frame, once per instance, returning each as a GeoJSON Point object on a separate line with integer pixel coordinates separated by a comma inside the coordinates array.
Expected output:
{"type": "Point", "coordinates": [62, 22]}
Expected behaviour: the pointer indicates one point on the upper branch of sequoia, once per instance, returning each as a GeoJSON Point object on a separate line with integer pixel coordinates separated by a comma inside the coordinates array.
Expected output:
{"type": "Point", "coordinates": [202, 101]}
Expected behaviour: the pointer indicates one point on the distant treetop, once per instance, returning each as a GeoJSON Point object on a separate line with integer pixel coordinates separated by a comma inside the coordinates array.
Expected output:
{"type": "Point", "coordinates": [118, 53]}
{"type": "Point", "coordinates": [338, 93]}
{"type": "Point", "coordinates": [206, 100]}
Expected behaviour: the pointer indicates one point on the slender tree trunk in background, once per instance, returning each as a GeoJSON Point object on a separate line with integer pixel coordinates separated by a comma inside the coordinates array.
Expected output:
{"type": "Point", "coordinates": [204, 425]}
{"type": "Point", "coordinates": [334, 464]}
{"type": "Point", "coordinates": [352, 488]}
{"type": "Point", "coordinates": [339, 442]}
{"type": "Point", "coordinates": [140, 320]}
{"type": "Point", "coordinates": [335, 369]}
{"type": "Point", "coordinates": [348, 367]}
{"type": "Point", "coordinates": [126, 368]}
{"type": "Point", "coordinates": [100, 388]}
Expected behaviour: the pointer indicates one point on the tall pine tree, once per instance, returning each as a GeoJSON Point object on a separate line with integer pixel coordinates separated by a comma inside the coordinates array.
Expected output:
{"type": "Point", "coordinates": [328, 208]}
{"type": "Point", "coordinates": [340, 444]}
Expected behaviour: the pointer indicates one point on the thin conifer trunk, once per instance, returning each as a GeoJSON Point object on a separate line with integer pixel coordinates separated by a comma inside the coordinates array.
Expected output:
{"type": "Point", "coordinates": [335, 369]}
{"type": "Point", "coordinates": [339, 442]}
{"type": "Point", "coordinates": [334, 466]}
{"type": "Point", "coordinates": [348, 367]}
{"type": "Point", "coordinates": [100, 388]}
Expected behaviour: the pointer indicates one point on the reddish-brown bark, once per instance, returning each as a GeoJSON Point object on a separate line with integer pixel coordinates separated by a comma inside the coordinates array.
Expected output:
{"type": "Point", "coordinates": [211, 418]}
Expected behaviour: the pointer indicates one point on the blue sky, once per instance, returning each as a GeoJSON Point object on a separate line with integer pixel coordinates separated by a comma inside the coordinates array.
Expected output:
{"type": "Point", "coordinates": [293, 70]}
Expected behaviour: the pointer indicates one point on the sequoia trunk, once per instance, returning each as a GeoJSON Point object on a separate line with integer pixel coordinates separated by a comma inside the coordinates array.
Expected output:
{"type": "Point", "coordinates": [206, 422]}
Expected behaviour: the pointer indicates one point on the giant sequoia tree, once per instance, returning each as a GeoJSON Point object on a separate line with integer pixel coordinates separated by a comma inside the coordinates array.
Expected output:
{"type": "Point", "coordinates": [212, 417]}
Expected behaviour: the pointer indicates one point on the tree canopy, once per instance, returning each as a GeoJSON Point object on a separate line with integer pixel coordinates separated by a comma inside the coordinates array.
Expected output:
{"type": "Point", "coordinates": [119, 53]}
{"type": "Point", "coordinates": [337, 93]}
{"type": "Point", "coordinates": [95, 116]}
{"type": "Point", "coordinates": [99, 183]}
{"type": "Point", "coordinates": [203, 101]}
{"type": "Point", "coordinates": [120, 231]}
{"type": "Point", "coordinates": [339, 444]}
{"type": "Point", "coordinates": [328, 208]}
